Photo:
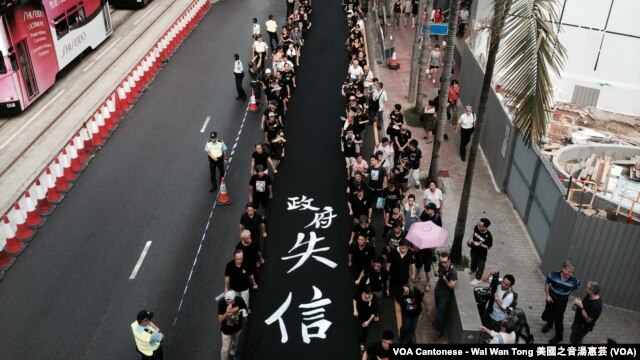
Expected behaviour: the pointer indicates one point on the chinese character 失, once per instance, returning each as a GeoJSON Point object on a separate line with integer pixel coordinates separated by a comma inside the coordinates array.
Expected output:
{"type": "Point", "coordinates": [313, 239]}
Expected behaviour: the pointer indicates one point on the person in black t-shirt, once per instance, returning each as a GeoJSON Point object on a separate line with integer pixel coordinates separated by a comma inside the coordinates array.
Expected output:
{"type": "Point", "coordinates": [411, 301]}
{"type": "Point", "coordinates": [365, 310]}
{"type": "Point", "coordinates": [588, 311]}
{"type": "Point", "coordinates": [262, 158]}
{"type": "Point", "coordinates": [361, 256]}
{"type": "Point", "coordinates": [393, 238]}
{"type": "Point", "coordinates": [260, 189]}
{"type": "Point", "coordinates": [376, 277]}
{"type": "Point", "coordinates": [357, 182]}
{"type": "Point", "coordinates": [238, 276]}
{"type": "Point", "coordinates": [365, 229]}
{"type": "Point", "coordinates": [380, 350]}
{"type": "Point", "coordinates": [253, 222]}
{"type": "Point", "coordinates": [251, 251]}
{"type": "Point", "coordinates": [231, 311]}
{"type": "Point", "coordinates": [401, 264]}
{"type": "Point", "coordinates": [480, 242]}
{"type": "Point", "coordinates": [447, 279]}
{"type": "Point", "coordinates": [359, 205]}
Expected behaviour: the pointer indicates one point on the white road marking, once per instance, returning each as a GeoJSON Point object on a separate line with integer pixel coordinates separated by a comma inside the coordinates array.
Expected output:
{"type": "Point", "coordinates": [104, 51]}
{"type": "Point", "coordinates": [140, 260]}
{"type": "Point", "coordinates": [205, 124]}
{"type": "Point", "coordinates": [61, 91]}
{"type": "Point", "coordinates": [204, 234]}
{"type": "Point", "coordinates": [145, 14]}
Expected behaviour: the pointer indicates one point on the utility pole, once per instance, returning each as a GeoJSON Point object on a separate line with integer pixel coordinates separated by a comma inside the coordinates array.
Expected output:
{"type": "Point", "coordinates": [424, 57]}
{"type": "Point", "coordinates": [415, 55]}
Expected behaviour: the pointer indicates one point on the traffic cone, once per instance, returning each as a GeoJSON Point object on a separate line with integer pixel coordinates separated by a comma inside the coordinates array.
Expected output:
{"type": "Point", "coordinates": [393, 64]}
{"type": "Point", "coordinates": [106, 115]}
{"type": "Point", "coordinates": [253, 105]}
{"type": "Point", "coordinates": [85, 135]}
{"type": "Point", "coordinates": [77, 164]}
{"type": "Point", "coordinates": [69, 175]}
{"type": "Point", "coordinates": [111, 107]}
{"type": "Point", "coordinates": [34, 220]}
{"type": "Point", "coordinates": [23, 231]}
{"type": "Point", "coordinates": [61, 183]}
{"type": "Point", "coordinates": [223, 196]}
{"type": "Point", "coordinates": [53, 195]}
{"type": "Point", "coordinates": [96, 138]}
{"type": "Point", "coordinates": [121, 101]}
{"type": "Point", "coordinates": [13, 246]}
{"type": "Point", "coordinates": [5, 260]}
{"type": "Point", "coordinates": [44, 207]}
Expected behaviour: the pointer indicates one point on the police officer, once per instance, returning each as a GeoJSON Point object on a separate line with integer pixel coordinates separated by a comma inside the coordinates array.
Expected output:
{"type": "Point", "coordinates": [147, 336]}
{"type": "Point", "coordinates": [217, 154]}
{"type": "Point", "coordinates": [238, 73]}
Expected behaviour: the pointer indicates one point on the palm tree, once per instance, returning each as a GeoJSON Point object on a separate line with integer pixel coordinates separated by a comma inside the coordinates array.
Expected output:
{"type": "Point", "coordinates": [531, 50]}
{"type": "Point", "coordinates": [424, 57]}
{"type": "Point", "coordinates": [454, 6]}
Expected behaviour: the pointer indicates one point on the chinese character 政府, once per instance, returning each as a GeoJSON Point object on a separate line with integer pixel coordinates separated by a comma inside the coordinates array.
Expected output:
{"type": "Point", "coordinates": [303, 203]}
{"type": "Point", "coordinates": [323, 219]}
{"type": "Point", "coordinates": [316, 312]}
{"type": "Point", "coordinates": [313, 239]}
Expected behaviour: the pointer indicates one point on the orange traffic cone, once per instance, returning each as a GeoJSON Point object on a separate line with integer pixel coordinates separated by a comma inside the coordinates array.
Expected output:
{"type": "Point", "coordinates": [13, 246]}
{"type": "Point", "coordinates": [253, 105]}
{"type": "Point", "coordinates": [223, 196]}
{"type": "Point", "coordinates": [393, 64]}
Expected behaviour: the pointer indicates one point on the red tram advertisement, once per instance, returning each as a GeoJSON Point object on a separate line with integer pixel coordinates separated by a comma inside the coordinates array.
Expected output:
{"type": "Point", "coordinates": [39, 38]}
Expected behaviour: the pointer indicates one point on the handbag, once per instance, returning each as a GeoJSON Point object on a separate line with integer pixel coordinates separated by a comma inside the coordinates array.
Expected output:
{"type": "Point", "coordinates": [379, 202]}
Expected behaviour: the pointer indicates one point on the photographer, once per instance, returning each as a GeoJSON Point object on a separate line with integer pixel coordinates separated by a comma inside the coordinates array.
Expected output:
{"type": "Point", "coordinates": [447, 278]}
{"type": "Point", "coordinates": [502, 297]}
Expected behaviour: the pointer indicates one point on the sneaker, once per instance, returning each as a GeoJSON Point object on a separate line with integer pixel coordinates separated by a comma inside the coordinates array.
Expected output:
{"type": "Point", "coordinates": [475, 282]}
{"type": "Point", "coordinates": [555, 340]}
{"type": "Point", "coordinates": [471, 272]}
{"type": "Point", "coordinates": [546, 329]}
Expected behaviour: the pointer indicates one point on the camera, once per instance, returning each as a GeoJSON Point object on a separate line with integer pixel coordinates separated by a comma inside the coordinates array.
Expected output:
{"type": "Point", "coordinates": [442, 272]}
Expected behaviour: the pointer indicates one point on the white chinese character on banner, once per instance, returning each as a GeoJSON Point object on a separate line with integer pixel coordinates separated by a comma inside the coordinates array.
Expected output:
{"type": "Point", "coordinates": [309, 252]}
{"type": "Point", "coordinates": [323, 219]}
{"type": "Point", "coordinates": [316, 313]}
{"type": "Point", "coordinates": [304, 203]}
{"type": "Point", "coordinates": [284, 337]}
{"type": "Point", "coordinates": [571, 351]}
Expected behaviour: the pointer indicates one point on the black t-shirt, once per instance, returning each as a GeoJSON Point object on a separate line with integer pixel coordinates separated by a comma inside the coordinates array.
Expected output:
{"type": "Point", "coordinates": [396, 118]}
{"type": "Point", "coordinates": [414, 157]}
{"type": "Point", "coordinates": [435, 218]}
{"type": "Point", "coordinates": [260, 184]}
{"type": "Point", "coordinates": [353, 186]}
{"type": "Point", "coordinates": [377, 280]}
{"type": "Point", "coordinates": [486, 239]}
{"type": "Point", "coordinates": [401, 173]}
{"type": "Point", "coordinates": [272, 128]}
{"type": "Point", "coordinates": [391, 197]}
{"type": "Point", "coordinates": [234, 320]}
{"type": "Point", "coordinates": [441, 286]}
{"type": "Point", "coordinates": [399, 270]}
{"type": "Point", "coordinates": [361, 258]}
{"type": "Point", "coordinates": [368, 232]}
{"type": "Point", "coordinates": [238, 276]}
{"type": "Point", "coordinates": [402, 138]}
{"type": "Point", "coordinates": [411, 304]}
{"type": "Point", "coordinates": [365, 308]}
{"type": "Point", "coordinates": [349, 145]}
{"type": "Point", "coordinates": [250, 254]}
{"type": "Point", "coordinates": [260, 159]}
{"type": "Point", "coordinates": [252, 224]}
{"type": "Point", "coordinates": [376, 177]}
{"type": "Point", "coordinates": [375, 351]}
{"type": "Point", "coordinates": [277, 147]}
{"type": "Point", "coordinates": [392, 240]}
{"type": "Point", "coordinates": [593, 309]}
{"type": "Point", "coordinates": [360, 206]}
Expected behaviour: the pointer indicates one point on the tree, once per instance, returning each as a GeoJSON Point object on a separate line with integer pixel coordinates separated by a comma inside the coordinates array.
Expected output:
{"type": "Point", "coordinates": [424, 57]}
{"type": "Point", "coordinates": [454, 6]}
{"type": "Point", "coordinates": [531, 50]}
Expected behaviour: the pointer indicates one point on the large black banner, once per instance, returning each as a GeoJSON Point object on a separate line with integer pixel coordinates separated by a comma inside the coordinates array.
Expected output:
{"type": "Point", "coordinates": [303, 308]}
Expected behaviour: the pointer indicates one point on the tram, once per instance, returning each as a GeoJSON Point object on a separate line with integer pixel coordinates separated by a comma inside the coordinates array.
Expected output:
{"type": "Point", "coordinates": [39, 38]}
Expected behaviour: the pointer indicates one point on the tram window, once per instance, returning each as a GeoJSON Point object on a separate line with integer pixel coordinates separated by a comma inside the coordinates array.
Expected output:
{"type": "Point", "coordinates": [76, 18]}
{"type": "Point", "coordinates": [3, 67]}
{"type": "Point", "coordinates": [61, 26]}
{"type": "Point", "coordinates": [13, 60]}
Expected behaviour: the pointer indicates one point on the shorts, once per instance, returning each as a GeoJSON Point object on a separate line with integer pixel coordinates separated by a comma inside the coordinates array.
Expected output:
{"type": "Point", "coordinates": [260, 200]}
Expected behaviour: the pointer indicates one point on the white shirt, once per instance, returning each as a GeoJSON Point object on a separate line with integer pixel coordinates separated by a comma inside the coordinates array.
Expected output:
{"type": "Point", "coordinates": [463, 15]}
{"type": "Point", "coordinates": [467, 121]}
{"type": "Point", "coordinates": [260, 46]}
{"type": "Point", "coordinates": [271, 25]}
{"type": "Point", "coordinates": [368, 79]}
{"type": "Point", "coordinates": [256, 29]}
{"type": "Point", "coordinates": [387, 154]}
{"type": "Point", "coordinates": [381, 96]}
{"type": "Point", "coordinates": [237, 67]}
{"type": "Point", "coordinates": [355, 72]}
{"type": "Point", "coordinates": [509, 338]}
{"type": "Point", "coordinates": [435, 198]}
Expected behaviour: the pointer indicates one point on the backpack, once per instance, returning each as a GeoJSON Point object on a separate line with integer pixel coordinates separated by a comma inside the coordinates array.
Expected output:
{"type": "Point", "coordinates": [514, 302]}
{"type": "Point", "coordinates": [374, 104]}
{"type": "Point", "coordinates": [522, 330]}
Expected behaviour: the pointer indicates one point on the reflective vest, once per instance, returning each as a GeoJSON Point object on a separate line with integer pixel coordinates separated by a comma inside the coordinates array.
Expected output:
{"type": "Point", "coordinates": [215, 149]}
{"type": "Point", "coordinates": [143, 340]}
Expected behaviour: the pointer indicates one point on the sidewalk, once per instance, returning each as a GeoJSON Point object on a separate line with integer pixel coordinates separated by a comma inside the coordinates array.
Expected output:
{"type": "Point", "coordinates": [513, 251]}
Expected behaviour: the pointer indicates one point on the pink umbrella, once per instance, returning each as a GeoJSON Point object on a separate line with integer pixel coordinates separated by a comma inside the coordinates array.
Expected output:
{"type": "Point", "coordinates": [427, 235]}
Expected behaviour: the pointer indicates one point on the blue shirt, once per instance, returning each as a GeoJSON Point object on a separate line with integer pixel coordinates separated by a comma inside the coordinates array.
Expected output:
{"type": "Point", "coordinates": [560, 289]}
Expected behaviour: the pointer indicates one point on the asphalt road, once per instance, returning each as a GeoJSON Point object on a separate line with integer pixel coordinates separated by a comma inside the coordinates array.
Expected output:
{"type": "Point", "coordinates": [70, 296]}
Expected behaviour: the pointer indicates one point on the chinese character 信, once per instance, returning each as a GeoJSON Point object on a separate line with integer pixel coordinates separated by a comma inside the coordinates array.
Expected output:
{"type": "Point", "coordinates": [309, 252]}
{"type": "Point", "coordinates": [315, 312]}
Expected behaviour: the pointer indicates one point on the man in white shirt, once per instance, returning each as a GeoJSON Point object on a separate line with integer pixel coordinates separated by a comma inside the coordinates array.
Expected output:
{"type": "Point", "coordinates": [272, 30]}
{"type": "Point", "coordinates": [217, 153]}
{"type": "Point", "coordinates": [466, 122]}
{"type": "Point", "coordinates": [463, 17]}
{"type": "Point", "coordinates": [355, 71]}
{"type": "Point", "coordinates": [238, 74]}
{"type": "Point", "coordinates": [387, 154]}
{"type": "Point", "coordinates": [379, 96]}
